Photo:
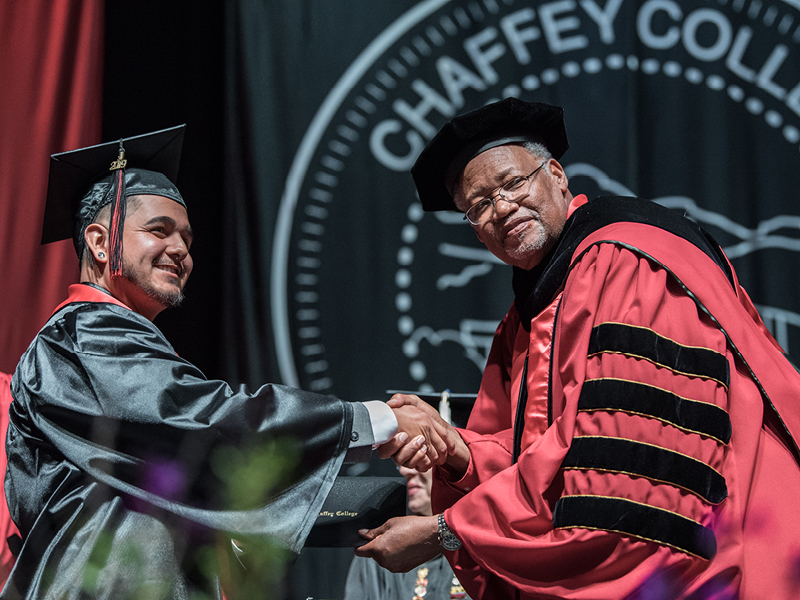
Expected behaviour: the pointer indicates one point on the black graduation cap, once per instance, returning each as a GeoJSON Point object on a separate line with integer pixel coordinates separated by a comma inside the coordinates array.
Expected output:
{"type": "Point", "coordinates": [466, 136]}
{"type": "Point", "coordinates": [82, 181]}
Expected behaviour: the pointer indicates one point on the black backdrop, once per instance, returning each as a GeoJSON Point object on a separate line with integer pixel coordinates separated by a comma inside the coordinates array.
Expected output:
{"type": "Point", "coordinates": [163, 67]}
{"type": "Point", "coordinates": [693, 104]}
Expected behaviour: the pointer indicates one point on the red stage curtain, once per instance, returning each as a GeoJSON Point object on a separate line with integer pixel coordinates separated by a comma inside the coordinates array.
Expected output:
{"type": "Point", "coordinates": [7, 527]}
{"type": "Point", "coordinates": [51, 61]}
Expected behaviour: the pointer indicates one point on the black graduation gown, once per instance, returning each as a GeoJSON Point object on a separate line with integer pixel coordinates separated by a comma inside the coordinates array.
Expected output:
{"type": "Point", "coordinates": [124, 460]}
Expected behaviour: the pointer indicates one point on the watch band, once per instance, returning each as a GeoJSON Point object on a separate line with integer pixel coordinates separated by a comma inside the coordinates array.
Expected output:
{"type": "Point", "coordinates": [447, 538]}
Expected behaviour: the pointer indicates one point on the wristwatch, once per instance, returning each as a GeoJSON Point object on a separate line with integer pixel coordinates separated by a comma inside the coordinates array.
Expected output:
{"type": "Point", "coordinates": [447, 538]}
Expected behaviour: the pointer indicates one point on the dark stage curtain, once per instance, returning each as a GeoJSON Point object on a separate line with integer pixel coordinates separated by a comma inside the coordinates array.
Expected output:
{"type": "Point", "coordinates": [695, 105]}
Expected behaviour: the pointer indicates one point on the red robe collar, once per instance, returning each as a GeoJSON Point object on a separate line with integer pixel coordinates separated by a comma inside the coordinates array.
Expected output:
{"type": "Point", "coordinates": [576, 203]}
{"type": "Point", "coordinates": [81, 292]}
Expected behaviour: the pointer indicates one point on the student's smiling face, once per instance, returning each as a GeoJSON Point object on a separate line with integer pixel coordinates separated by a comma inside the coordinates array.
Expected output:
{"type": "Point", "coordinates": [155, 257]}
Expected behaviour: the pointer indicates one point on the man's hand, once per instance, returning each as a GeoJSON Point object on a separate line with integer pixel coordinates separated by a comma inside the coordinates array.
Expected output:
{"type": "Point", "coordinates": [402, 543]}
{"type": "Point", "coordinates": [424, 439]}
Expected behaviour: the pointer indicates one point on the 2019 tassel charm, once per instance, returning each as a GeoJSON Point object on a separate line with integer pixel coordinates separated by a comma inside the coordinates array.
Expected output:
{"type": "Point", "coordinates": [118, 210]}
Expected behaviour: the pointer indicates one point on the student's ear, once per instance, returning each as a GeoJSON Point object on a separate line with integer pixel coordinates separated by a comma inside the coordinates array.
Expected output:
{"type": "Point", "coordinates": [96, 238]}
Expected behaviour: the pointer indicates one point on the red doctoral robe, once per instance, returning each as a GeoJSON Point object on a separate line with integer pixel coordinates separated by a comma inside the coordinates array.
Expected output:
{"type": "Point", "coordinates": [653, 462]}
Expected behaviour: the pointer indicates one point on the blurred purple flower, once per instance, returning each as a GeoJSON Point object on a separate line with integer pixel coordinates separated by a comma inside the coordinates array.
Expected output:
{"type": "Point", "coordinates": [659, 586]}
{"type": "Point", "coordinates": [796, 570]}
{"type": "Point", "coordinates": [668, 584]}
{"type": "Point", "coordinates": [164, 477]}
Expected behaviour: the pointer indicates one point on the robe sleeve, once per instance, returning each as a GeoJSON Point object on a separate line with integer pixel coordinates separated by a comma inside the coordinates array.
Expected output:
{"type": "Point", "coordinates": [626, 482]}
{"type": "Point", "coordinates": [492, 409]}
{"type": "Point", "coordinates": [102, 397]}
{"type": "Point", "coordinates": [488, 422]}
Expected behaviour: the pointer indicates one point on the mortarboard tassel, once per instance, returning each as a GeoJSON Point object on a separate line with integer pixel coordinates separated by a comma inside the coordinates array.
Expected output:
{"type": "Point", "coordinates": [118, 210]}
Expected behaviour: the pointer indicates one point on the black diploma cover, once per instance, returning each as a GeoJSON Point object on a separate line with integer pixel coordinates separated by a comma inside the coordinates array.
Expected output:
{"type": "Point", "coordinates": [357, 503]}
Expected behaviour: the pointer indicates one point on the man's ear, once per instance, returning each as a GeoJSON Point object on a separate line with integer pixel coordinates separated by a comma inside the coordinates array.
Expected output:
{"type": "Point", "coordinates": [96, 238]}
{"type": "Point", "coordinates": [558, 173]}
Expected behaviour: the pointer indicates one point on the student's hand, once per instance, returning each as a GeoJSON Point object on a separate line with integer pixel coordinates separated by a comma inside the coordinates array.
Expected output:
{"type": "Point", "coordinates": [424, 438]}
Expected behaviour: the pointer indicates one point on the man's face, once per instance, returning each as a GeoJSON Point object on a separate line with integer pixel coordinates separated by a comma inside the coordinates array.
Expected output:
{"type": "Point", "coordinates": [418, 486]}
{"type": "Point", "coordinates": [155, 258]}
{"type": "Point", "coordinates": [519, 234]}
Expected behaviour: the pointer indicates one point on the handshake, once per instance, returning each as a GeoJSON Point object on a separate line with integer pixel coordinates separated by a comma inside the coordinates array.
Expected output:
{"type": "Point", "coordinates": [424, 439]}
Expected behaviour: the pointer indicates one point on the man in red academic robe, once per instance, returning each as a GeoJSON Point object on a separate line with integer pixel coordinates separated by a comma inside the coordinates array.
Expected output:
{"type": "Point", "coordinates": [635, 431]}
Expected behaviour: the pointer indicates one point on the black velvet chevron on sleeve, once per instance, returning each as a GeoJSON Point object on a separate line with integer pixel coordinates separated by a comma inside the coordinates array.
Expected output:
{"type": "Point", "coordinates": [619, 455]}
{"type": "Point", "coordinates": [634, 519]}
{"type": "Point", "coordinates": [638, 398]}
{"type": "Point", "coordinates": [646, 343]}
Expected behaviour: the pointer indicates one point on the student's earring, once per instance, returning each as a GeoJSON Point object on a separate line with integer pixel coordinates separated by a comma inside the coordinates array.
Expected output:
{"type": "Point", "coordinates": [101, 255]}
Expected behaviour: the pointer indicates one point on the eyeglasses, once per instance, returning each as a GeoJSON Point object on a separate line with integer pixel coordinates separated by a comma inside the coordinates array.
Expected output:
{"type": "Point", "coordinates": [511, 191]}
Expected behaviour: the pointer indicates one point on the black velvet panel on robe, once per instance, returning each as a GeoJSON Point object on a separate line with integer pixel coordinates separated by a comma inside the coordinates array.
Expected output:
{"type": "Point", "coordinates": [534, 289]}
{"type": "Point", "coordinates": [123, 460]}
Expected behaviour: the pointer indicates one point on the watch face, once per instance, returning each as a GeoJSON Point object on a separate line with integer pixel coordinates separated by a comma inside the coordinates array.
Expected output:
{"type": "Point", "coordinates": [446, 537]}
{"type": "Point", "coordinates": [450, 541]}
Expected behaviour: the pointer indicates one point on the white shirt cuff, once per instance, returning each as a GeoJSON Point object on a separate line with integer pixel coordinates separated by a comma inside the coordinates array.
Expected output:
{"type": "Point", "coordinates": [383, 421]}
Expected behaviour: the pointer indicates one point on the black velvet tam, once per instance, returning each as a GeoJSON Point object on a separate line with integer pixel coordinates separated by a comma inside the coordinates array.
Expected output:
{"type": "Point", "coordinates": [468, 135]}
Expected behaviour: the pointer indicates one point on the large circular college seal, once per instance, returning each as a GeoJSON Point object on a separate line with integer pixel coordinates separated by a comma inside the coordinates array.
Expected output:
{"type": "Point", "coordinates": [693, 104]}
